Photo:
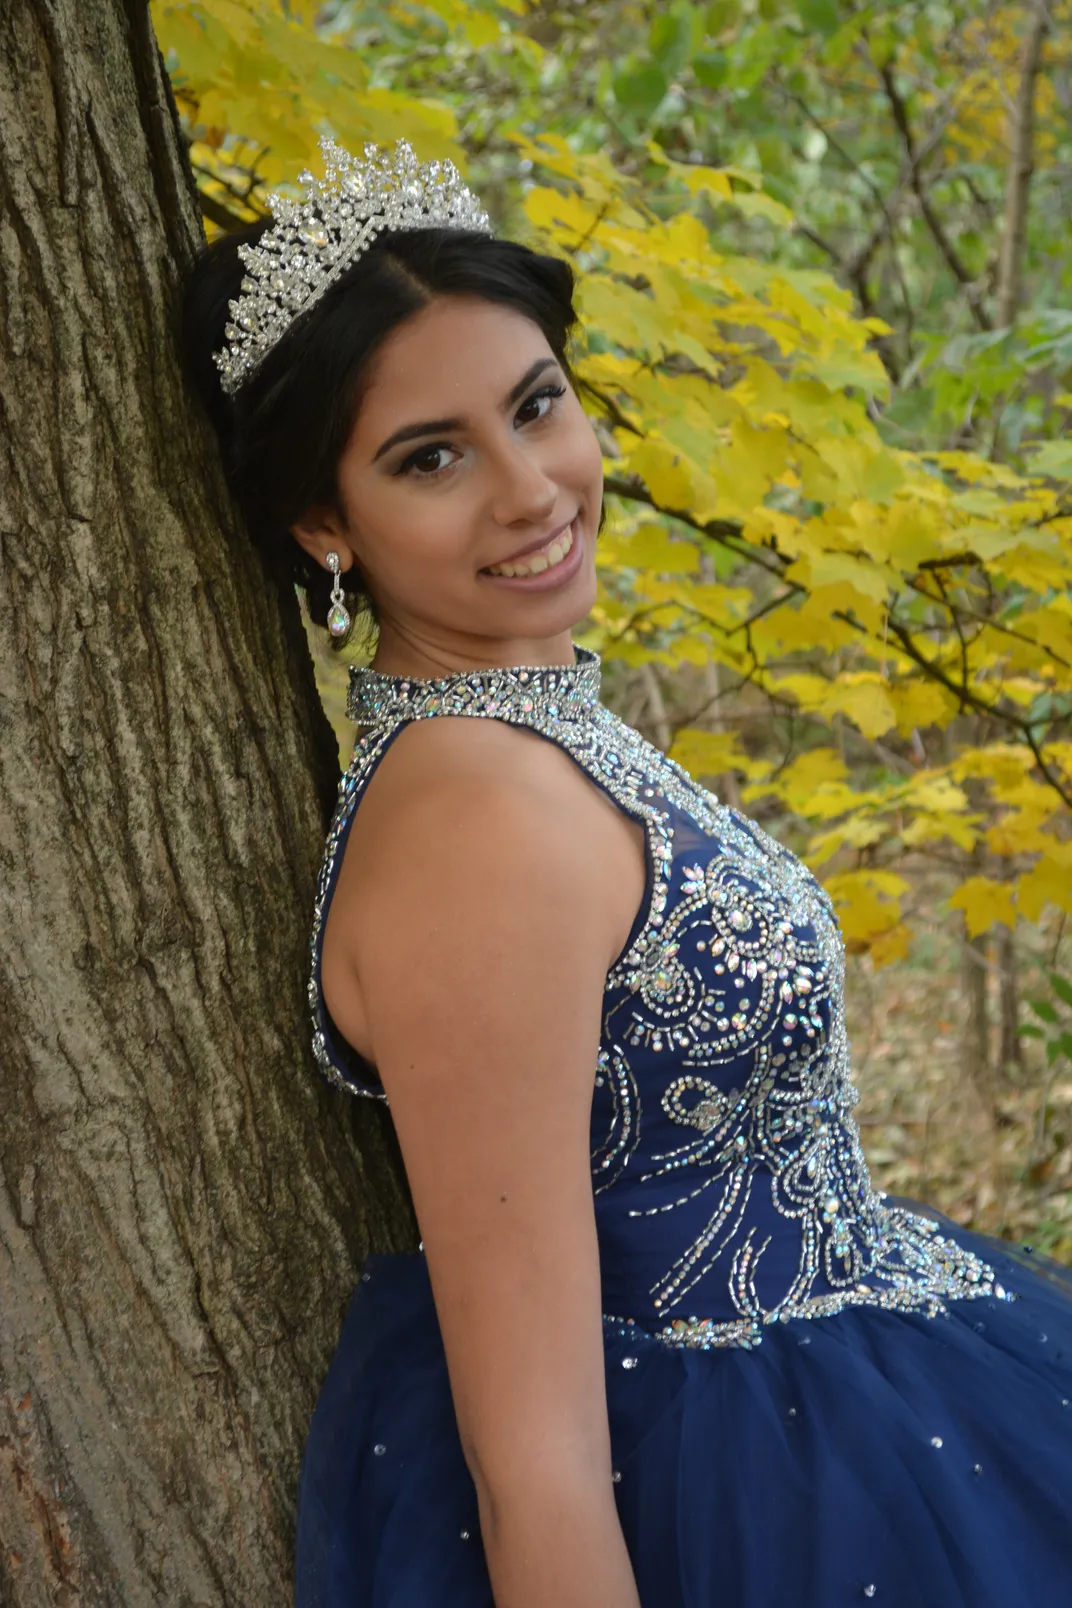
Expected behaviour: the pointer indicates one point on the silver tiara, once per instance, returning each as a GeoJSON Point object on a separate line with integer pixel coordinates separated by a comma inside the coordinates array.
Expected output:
{"type": "Point", "coordinates": [312, 241]}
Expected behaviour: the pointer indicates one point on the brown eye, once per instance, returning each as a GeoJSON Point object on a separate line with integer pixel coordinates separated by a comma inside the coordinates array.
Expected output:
{"type": "Point", "coordinates": [426, 461]}
{"type": "Point", "coordinates": [534, 406]}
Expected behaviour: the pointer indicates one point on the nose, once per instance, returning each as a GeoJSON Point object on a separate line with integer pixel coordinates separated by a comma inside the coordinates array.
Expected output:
{"type": "Point", "coordinates": [523, 492]}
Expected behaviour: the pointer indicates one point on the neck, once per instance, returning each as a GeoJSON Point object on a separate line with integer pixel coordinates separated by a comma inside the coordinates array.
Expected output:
{"type": "Point", "coordinates": [401, 652]}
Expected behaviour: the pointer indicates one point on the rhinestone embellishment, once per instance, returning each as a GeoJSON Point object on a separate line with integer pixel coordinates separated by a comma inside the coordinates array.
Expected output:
{"type": "Point", "coordinates": [313, 241]}
{"type": "Point", "coordinates": [723, 1082]}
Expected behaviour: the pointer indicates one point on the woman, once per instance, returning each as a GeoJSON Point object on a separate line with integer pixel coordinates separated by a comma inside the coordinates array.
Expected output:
{"type": "Point", "coordinates": [664, 1343]}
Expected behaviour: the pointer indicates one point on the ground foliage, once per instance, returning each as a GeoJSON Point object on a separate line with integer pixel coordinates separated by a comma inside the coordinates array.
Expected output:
{"type": "Point", "coordinates": [822, 266]}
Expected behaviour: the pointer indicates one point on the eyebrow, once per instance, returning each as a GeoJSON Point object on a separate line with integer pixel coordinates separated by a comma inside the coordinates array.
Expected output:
{"type": "Point", "coordinates": [410, 432]}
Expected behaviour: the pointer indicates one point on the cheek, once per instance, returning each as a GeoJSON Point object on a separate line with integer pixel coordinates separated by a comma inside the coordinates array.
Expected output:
{"type": "Point", "coordinates": [410, 537]}
{"type": "Point", "coordinates": [585, 459]}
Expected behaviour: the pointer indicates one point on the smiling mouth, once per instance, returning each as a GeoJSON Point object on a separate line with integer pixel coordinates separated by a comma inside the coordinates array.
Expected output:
{"type": "Point", "coordinates": [544, 558]}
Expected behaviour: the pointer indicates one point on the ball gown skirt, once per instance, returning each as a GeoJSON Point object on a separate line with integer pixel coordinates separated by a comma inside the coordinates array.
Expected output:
{"type": "Point", "coordinates": [870, 1456]}
{"type": "Point", "coordinates": [818, 1397]}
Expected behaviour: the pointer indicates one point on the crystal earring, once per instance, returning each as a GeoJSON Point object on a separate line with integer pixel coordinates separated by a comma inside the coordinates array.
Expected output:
{"type": "Point", "coordinates": [338, 615]}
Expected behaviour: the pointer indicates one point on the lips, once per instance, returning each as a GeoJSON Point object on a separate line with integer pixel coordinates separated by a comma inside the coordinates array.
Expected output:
{"type": "Point", "coordinates": [541, 546]}
{"type": "Point", "coordinates": [548, 557]}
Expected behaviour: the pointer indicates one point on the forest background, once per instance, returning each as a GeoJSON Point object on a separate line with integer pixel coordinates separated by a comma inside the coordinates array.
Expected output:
{"type": "Point", "coordinates": [822, 271]}
{"type": "Point", "coordinates": [824, 279]}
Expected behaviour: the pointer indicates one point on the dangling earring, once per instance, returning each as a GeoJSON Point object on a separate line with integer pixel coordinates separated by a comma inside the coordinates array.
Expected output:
{"type": "Point", "coordinates": [338, 615]}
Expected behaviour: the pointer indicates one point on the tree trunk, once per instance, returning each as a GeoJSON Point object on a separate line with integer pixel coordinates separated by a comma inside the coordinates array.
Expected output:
{"type": "Point", "coordinates": [975, 1044]}
{"type": "Point", "coordinates": [183, 1205]}
{"type": "Point", "coordinates": [1021, 166]}
{"type": "Point", "coordinates": [1011, 1046]}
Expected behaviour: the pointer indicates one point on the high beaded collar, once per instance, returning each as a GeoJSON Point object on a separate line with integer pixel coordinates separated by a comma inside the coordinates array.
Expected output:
{"type": "Point", "coordinates": [521, 693]}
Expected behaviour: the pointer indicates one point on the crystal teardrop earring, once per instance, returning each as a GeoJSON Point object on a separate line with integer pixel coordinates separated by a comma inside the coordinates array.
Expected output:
{"type": "Point", "coordinates": [338, 615]}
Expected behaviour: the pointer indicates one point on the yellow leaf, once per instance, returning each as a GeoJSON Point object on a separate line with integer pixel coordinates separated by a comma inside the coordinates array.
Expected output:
{"type": "Point", "coordinates": [562, 214]}
{"type": "Point", "coordinates": [919, 704]}
{"type": "Point", "coordinates": [862, 574]}
{"type": "Point", "coordinates": [935, 792]}
{"type": "Point", "coordinates": [649, 548]}
{"type": "Point", "coordinates": [984, 903]}
{"type": "Point", "coordinates": [864, 469]}
{"type": "Point", "coordinates": [865, 702]}
{"type": "Point", "coordinates": [857, 832]}
{"type": "Point", "coordinates": [765, 449]}
{"type": "Point", "coordinates": [708, 753]}
{"type": "Point", "coordinates": [890, 946]}
{"type": "Point", "coordinates": [631, 318]}
{"type": "Point", "coordinates": [480, 30]}
{"type": "Point", "coordinates": [867, 903]}
{"type": "Point", "coordinates": [1049, 882]}
{"type": "Point", "coordinates": [664, 473]}
{"type": "Point", "coordinates": [938, 825]}
{"type": "Point", "coordinates": [1020, 832]}
{"type": "Point", "coordinates": [1035, 568]}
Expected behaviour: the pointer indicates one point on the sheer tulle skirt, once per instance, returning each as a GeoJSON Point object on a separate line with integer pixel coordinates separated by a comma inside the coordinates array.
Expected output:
{"type": "Point", "coordinates": [916, 1462]}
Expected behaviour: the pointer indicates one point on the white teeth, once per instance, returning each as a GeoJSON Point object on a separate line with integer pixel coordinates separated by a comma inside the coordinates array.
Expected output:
{"type": "Point", "coordinates": [539, 562]}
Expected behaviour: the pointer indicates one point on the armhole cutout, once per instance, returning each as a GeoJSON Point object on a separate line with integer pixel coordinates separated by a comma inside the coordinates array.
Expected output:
{"type": "Point", "coordinates": [336, 1058]}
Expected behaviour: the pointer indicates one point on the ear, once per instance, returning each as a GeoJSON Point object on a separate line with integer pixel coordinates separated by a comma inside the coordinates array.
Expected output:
{"type": "Point", "coordinates": [321, 531]}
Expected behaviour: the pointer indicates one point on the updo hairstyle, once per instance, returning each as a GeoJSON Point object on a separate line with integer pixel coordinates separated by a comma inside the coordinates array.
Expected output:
{"type": "Point", "coordinates": [284, 431]}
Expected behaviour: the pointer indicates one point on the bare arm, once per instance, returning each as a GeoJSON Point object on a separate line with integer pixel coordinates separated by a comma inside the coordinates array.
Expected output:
{"type": "Point", "coordinates": [480, 927]}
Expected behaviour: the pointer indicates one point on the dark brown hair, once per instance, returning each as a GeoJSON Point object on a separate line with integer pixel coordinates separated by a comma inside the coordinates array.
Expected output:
{"type": "Point", "coordinates": [284, 432]}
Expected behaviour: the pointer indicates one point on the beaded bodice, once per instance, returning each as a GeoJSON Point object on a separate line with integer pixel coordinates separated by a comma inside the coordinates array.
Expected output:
{"type": "Point", "coordinates": [730, 1187]}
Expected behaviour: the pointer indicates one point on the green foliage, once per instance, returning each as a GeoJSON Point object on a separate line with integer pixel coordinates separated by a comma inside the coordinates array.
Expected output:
{"type": "Point", "coordinates": [1058, 1043]}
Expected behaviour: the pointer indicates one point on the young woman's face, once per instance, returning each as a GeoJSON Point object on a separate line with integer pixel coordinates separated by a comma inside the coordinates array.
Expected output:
{"type": "Point", "coordinates": [470, 452]}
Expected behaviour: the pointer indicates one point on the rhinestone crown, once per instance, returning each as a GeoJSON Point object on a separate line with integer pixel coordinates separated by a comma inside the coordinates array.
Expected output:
{"type": "Point", "coordinates": [312, 241]}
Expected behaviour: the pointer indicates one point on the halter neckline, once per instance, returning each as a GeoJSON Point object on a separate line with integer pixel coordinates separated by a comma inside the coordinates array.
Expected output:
{"type": "Point", "coordinates": [520, 693]}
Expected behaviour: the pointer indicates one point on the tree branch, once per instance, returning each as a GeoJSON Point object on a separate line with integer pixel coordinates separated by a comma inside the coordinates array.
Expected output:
{"type": "Point", "coordinates": [915, 164]}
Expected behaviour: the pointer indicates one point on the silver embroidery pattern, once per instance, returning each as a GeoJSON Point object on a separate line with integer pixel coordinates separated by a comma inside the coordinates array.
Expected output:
{"type": "Point", "coordinates": [743, 967]}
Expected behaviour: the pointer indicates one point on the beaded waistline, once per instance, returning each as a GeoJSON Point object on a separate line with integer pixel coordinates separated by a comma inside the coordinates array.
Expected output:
{"type": "Point", "coordinates": [710, 1334]}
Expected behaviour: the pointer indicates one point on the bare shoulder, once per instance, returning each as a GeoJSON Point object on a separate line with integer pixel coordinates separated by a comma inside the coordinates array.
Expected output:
{"type": "Point", "coordinates": [463, 805]}
{"type": "Point", "coordinates": [452, 753]}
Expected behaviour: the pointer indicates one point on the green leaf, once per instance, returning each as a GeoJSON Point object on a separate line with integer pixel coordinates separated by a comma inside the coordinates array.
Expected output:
{"type": "Point", "coordinates": [820, 16]}
{"type": "Point", "coordinates": [1026, 1030]}
{"type": "Point", "coordinates": [670, 40]}
{"type": "Point", "coordinates": [1061, 987]}
{"type": "Point", "coordinates": [641, 88]}
{"type": "Point", "coordinates": [1043, 1009]}
{"type": "Point", "coordinates": [1053, 458]}
{"type": "Point", "coordinates": [712, 68]}
{"type": "Point", "coordinates": [720, 14]}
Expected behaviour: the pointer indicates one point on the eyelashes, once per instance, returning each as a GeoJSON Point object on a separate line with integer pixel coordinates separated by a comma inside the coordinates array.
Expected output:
{"type": "Point", "coordinates": [432, 449]}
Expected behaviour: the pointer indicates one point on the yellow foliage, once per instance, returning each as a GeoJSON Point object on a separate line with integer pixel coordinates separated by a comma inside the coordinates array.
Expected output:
{"type": "Point", "coordinates": [937, 826]}
{"type": "Point", "coordinates": [708, 753]}
{"type": "Point", "coordinates": [737, 391]}
{"type": "Point", "coordinates": [1049, 882]}
{"type": "Point", "coordinates": [890, 946]}
{"type": "Point", "coordinates": [868, 904]}
{"type": "Point", "coordinates": [920, 703]}
{"type": "Point", "coordinates": [649, 548]}
{"type": "Point", "coordinates": [250, 67]}
{"type": "Point", "coordinates": [855, 832]}
{"type": "Point", "coordinates": [985, 903]}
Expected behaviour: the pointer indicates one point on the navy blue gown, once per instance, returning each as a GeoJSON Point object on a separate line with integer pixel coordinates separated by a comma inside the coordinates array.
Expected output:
{"type": "Point", "coordinates": [819, 1396]}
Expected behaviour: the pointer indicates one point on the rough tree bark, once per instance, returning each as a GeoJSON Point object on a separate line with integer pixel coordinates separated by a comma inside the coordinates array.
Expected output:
{"type": "Point", "coordinates": [182, 1205]}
